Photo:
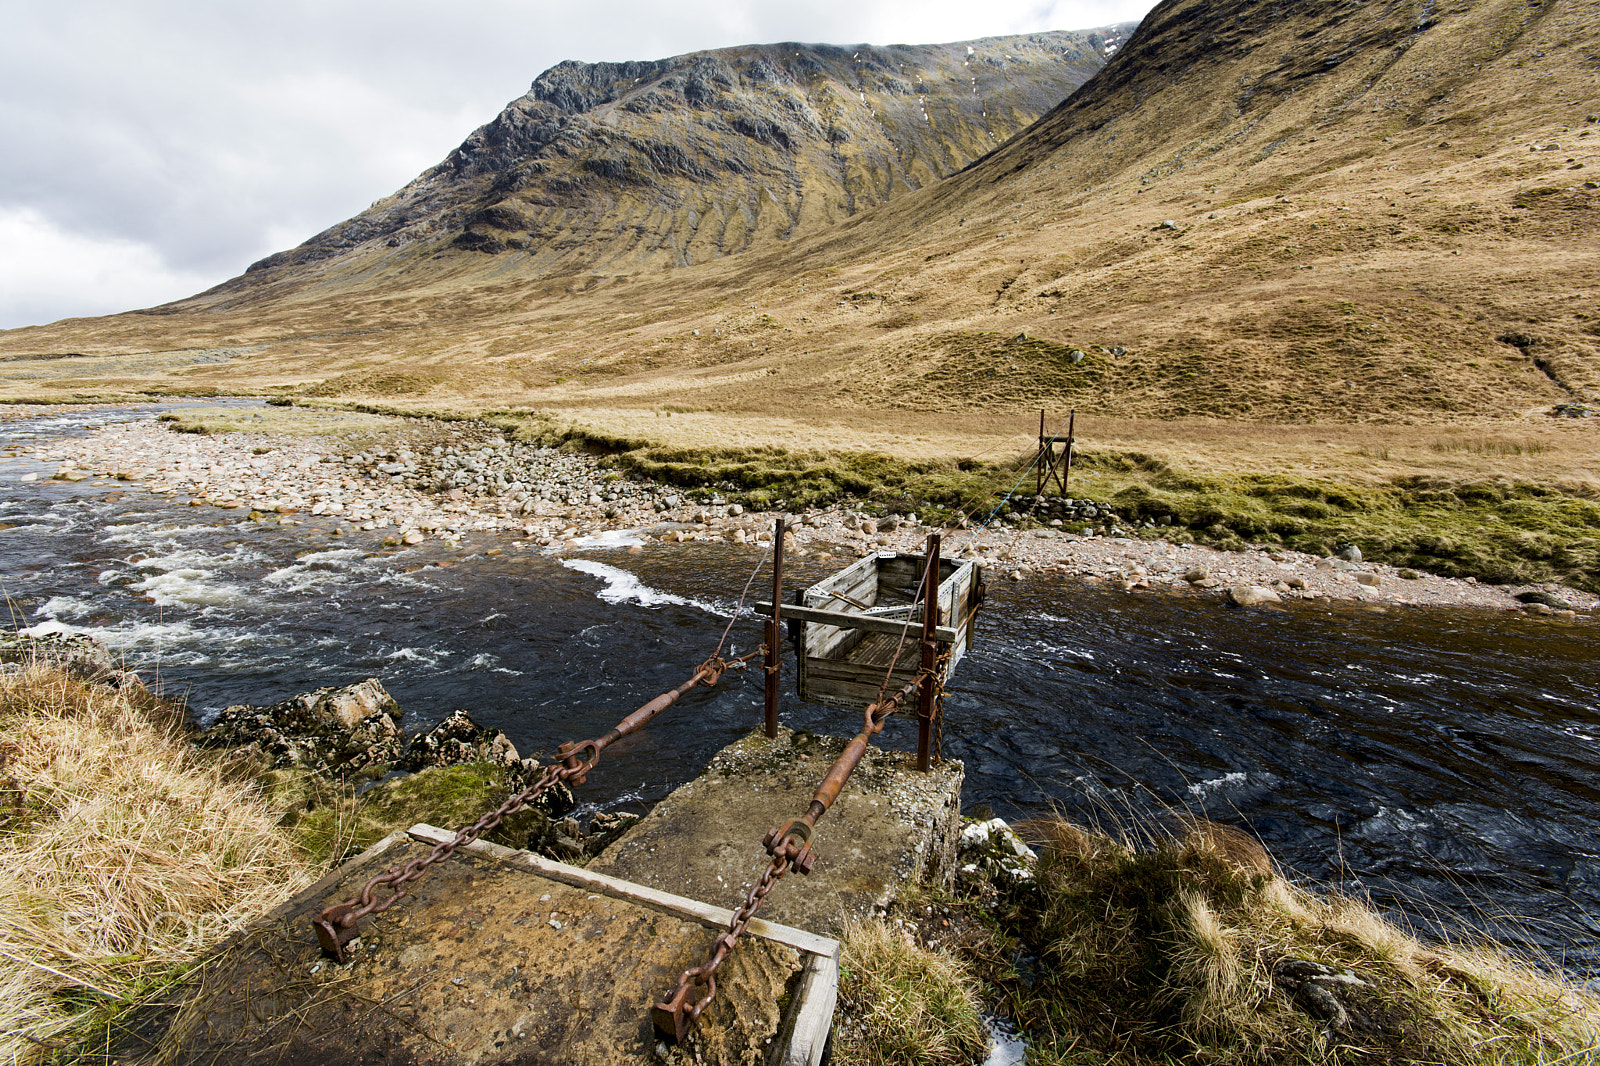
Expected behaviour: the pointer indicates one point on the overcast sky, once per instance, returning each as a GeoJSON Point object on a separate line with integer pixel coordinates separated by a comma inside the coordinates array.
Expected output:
{"type": "Point", "coordinates": [152, 148]}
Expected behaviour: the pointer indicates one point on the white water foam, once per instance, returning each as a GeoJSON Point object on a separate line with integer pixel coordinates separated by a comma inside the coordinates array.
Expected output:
{"type": "Point", "coordinates": [1203, 789]}
{"type": "Point", "coordinates": [485, 661]}
{"type": "Point", "coordinates": [610, 538]}
{"type": "Point", "coordinates": [191, 587]}
{"type": "Point", "coordinates": [311, 571]}
{"type": "Point", "coordinates": [64, 607]}
{"type": "Point", "coordinates": [140, 635]}
{"type": "Point", "coordinates": [623, 587]}
{"type": "Point", "coordinates": [429, 656]}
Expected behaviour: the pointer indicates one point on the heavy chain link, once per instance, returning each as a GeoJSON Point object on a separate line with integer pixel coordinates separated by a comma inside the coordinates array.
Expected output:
{"type": "Point", "coordinates": [790, 848]}
{"type": "Point", "coordinates": [337, 925]}
{"type": "Point", "coordinates": [677, 1016]}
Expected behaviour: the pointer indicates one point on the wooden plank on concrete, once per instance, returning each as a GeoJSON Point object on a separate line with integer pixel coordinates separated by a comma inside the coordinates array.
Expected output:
{"type": "Point", "coordinates": [817, 997]}
{"type": "Point", "coordinates": [681, 906]}
{"type": "Point", "coordinates": [811, 1015]}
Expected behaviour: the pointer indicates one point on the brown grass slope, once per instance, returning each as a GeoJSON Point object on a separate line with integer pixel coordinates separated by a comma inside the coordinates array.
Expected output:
{"type": "Point", "coordinates": [1377, 211]}
{"type": "Point", "coordinates": [1378, 217]}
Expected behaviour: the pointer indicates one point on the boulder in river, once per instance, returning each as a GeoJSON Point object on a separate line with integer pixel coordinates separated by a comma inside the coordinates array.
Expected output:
{"type": "Point", "coordinates": [1549, 599]}
{"type": "Point", "coordinates": [340, 732]}
{"type": "Point", "coordinates": [458, 739]}
{"type": "Point", "coordinates": [1251, 595]}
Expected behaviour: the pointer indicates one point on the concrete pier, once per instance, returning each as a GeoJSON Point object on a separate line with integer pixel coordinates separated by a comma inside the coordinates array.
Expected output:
{"type": "Point", "coordinates": [502, 956]}
{"type": "Point", "coordinates": [889, 827]}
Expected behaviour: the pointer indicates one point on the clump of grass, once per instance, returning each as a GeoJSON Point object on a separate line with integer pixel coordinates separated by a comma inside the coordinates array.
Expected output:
{"type": "Point", "coordinates": [1176, 948]}
{"type": "Point", "coordinates": [1490, 446]}
{"type": "Point", "coordinates": [904, 1003]}
{"type": "Point", "coordinates": [124, 854]}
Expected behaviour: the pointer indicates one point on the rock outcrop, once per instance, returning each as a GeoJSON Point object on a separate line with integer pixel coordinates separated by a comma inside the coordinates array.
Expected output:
{"type": "Point", "coordinates": [353, 733]}
{"type": "Point", "coordinates": [339, 732]}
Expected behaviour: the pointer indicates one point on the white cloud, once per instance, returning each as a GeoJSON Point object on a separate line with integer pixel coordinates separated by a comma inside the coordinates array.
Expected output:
{"type": "Point", "coordinates": [47, 273]}
{"type": "Point", "coordinates": [200, 133]}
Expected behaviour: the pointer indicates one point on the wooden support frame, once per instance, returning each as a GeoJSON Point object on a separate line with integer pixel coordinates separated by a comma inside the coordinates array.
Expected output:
{"type": "Point", "coordinates": [804, 1030]}
{"type": "Point", "coordinates": [1050, 464]}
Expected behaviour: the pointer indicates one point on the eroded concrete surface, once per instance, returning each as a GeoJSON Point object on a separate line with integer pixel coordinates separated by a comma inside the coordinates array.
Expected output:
{"type": "Point", "coordinates": [483, 962]}
{"type": "Point", "coordinates": [890, 825]}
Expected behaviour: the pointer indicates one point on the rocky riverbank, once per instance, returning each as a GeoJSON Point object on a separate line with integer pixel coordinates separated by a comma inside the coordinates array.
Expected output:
{"type": "Point", "coordinates": [429, 480]}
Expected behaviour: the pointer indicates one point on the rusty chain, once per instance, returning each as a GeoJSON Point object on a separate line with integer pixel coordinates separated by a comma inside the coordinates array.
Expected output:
{"type": "Point", "coordinates": [941, 667]}
{"type": "Point", "coordinates": [338, 924]}
{"type": "Point", "coordinates": [790, 848]}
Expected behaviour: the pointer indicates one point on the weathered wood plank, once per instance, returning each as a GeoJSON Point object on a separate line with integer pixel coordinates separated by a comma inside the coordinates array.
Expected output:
{"type": "Point", "coordinates": [845, 620]}
{"type": "Point", "coordinates": [682, 906]}
{"type": "Point", "coordinates": [819, 995]}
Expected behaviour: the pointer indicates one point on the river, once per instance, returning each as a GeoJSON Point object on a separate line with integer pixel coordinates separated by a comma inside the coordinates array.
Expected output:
{"type": "Point", "coordinates": [1447, 763]}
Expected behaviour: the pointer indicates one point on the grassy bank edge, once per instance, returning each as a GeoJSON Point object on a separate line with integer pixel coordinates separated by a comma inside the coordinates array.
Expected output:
{"type": "Point", "coordinates": [1189, 946]}
{"type": "Point", "coordinates": [127, 853]}
{"type": "Point", "coordinates": [1495, 529]}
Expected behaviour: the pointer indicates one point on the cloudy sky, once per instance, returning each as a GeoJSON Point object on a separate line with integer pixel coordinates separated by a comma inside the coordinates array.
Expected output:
{"type": "Point", "coordinates": [152, 148]}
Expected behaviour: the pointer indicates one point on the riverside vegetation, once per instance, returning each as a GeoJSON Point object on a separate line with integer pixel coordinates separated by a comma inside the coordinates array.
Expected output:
{"type": "Point", "coordinates": [1156, 947]}
{"type": "Point", "coordinates": [1501, 523]}
{"type": "Point", "coordinates": [127, 851]}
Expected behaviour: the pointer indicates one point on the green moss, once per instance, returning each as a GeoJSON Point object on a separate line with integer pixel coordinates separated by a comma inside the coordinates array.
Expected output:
{"type": "Point", "coordinates": [332, 823]}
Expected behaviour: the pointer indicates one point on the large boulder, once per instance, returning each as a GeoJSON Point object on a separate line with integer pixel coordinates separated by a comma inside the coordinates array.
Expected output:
{"type": "Point", "coordinates": [340, 732]}
{"type": "Point", "coordinates": [1252, 595]}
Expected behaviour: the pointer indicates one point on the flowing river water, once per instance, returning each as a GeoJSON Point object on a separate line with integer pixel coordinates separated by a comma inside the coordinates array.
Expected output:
{"type": "Point", "coordinates": [1445, 762]}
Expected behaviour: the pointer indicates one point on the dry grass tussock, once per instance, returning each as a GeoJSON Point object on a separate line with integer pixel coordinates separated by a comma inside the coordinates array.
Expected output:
{"type": "Point", "coordinates": [124, 853]}
{"type": "Point", "coordinates": [904, 1003]}
{"type": "Point", "coordinates": [1187, 948]}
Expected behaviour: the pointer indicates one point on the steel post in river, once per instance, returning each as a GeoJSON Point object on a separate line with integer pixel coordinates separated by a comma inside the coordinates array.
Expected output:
{"type": "Point", "coordinates": [774, 649]}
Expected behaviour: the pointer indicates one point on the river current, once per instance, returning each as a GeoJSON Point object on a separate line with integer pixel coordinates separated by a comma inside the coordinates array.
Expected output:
{"type": "Point", "coordinates": [1446, 763]}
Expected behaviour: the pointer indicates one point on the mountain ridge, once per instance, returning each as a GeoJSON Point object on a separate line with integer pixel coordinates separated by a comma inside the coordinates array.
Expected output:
{"type": "Point", "coordinates": [632, 164]}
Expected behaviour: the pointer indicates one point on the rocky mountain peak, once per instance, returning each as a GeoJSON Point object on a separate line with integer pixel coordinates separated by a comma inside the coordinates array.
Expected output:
{"type": "Point", "coordinates": [625, 165]}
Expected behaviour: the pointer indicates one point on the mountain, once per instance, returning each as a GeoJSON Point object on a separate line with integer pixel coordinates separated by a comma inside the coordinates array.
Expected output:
{"type": "Point", "coordinates": [628, 166]}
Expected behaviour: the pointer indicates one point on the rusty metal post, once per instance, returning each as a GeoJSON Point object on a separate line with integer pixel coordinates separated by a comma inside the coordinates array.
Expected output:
{"type": "Point", "coordinates": [1072, 421]}
{"type": "Point", "coordinates": [1038, 462]}
{"type": "Point", "coordinates": [930, 654]}
{"type": "Point", "coordinates": [774, 630]}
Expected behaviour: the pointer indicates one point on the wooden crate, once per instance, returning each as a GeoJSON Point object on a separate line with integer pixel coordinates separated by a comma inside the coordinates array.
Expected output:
{"type": "Point", "coordinates": [849, 627]}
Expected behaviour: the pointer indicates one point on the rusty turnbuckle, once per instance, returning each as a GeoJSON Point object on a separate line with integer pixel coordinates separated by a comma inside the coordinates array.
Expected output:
{"type": "Point", "coordinates": [790, 848]}
{"type": "Point", "coordinates": [339, 923]}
